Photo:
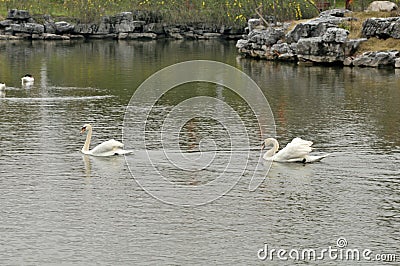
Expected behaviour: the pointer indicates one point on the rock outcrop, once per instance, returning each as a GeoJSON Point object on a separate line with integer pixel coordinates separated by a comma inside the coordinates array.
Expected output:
{"type": "Point", "coordinates": [382, 6]}
{"type": "Point", "coordinates": [123, 26]}
{"type": "Point", "coordinates": [321, 41]}
{"type": "Point", "coordinates": [376, 59]}
{"type": "Point", "coordinates": [382, 28]}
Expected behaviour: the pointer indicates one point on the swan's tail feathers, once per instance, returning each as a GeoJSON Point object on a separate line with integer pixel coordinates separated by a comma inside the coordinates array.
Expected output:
{"type": "Point", "coordinates": [312, 159]}
{"type": "Point", "coordinates": [123, 152]}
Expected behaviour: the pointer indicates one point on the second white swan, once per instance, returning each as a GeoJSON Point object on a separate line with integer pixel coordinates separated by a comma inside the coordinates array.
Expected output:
{"type": "Point", "coordinates": [296, 151]}
{"type": "Point", "coordinates": [107, 148]}
{"type": "Point", "coordinates": [28, 79]}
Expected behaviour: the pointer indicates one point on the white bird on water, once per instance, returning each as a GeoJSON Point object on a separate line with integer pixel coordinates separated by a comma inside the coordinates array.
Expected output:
{"type": "Point", "coordinates": [27, 79]}
{"type": "Point", "coordinates": [107, 148]}
{"type": "Point", "coordinates": [296, 151]}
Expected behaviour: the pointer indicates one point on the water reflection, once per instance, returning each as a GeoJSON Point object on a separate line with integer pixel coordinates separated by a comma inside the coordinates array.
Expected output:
{"type": "Point", "coordinates": [76, 209]}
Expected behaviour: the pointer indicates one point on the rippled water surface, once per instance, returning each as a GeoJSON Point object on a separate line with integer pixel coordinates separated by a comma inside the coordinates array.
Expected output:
{"type": "Point", "coordinates": [61, 207]}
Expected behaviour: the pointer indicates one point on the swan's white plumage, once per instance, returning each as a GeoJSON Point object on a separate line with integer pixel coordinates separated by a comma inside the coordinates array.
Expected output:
{"type": "Point", "coordinates": [107, 148]}
{"type": "Point", "coordinates": [297, 150]}
{"type": "Point", "coordinates": [2, 86]}
{"type": "Point", "coordinates": [28, 79]}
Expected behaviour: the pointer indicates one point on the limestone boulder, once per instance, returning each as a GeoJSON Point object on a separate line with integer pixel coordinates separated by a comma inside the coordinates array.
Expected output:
{"type": "Point", "coordinates": [382, 6]}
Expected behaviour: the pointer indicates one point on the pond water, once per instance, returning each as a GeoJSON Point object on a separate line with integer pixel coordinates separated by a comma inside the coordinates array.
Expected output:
{"type": "Point", "coordinates": [61, 207]}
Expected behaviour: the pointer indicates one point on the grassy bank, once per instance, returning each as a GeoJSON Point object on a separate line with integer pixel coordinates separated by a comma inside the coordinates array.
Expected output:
{"type": "Point", "coordinates": [212, 11]}
{"type": "Point", "coordinates": [373, 44]}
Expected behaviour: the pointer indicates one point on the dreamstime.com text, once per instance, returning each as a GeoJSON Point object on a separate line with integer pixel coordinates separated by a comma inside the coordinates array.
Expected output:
{"type": "Point", "coordinates": [340, 252]}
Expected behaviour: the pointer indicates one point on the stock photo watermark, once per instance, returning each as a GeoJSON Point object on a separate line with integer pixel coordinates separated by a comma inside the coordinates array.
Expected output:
{"type": "Point", "coordinates": [157, 143]}
{"type": "Point", "coordinates": [339, 252]}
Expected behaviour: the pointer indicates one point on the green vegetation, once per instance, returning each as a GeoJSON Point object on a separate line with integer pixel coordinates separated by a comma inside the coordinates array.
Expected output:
{"type": "Point", "coordinates": [213, 11]}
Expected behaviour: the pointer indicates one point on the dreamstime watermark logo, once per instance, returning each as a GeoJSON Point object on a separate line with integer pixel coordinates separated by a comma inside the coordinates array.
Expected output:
{"type": "Point", "coordinates": [339, 252]}
{"type": "Point", "coordinates": [159, 164]}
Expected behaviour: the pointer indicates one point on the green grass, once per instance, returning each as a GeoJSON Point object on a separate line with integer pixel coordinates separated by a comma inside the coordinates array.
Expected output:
{"type": "Point", "coordinates": [233, 12]}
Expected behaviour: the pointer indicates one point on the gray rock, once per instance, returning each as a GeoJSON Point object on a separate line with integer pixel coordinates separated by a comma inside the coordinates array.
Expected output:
{"type": "Point", "coordinates": [110, 36]}
{"type": "Point", "coordinates": [242, 44]}
{"type": "Point", "coordinates": [190, 35]}
{"type": "Point", "coordinates": [6, 23]}
{"type": "Point", "coordinates": [377, 59]}
{"type": "Point", "coordinates": [63, 27]}
{"type": "Point", "coordinates": [129, 26]}
{"type": "Point", "coordinates": [314, 28]}
{"type": "Point", "coordinates": [15, 14]}
{"type": "Point", "coordinates": [173, 32]}
{"type": "Point", "coordinates": [49, 36]}
{"type": "Point", "coordinates": [49, 27]}
{"type": "Point", "coordinates": [382, 6]}
{"type": "Point", "coordinates": [337, 35]}
{"type": "Point", "coordinates": [334, 13]}
{"type": "Point", "coordinates": [105, 27]}
{"type": "Point", "coordinates": [381, 28]}
{"type": "Point", "coordinates": [31, 28]}
{"type": "Point", "coordinates": [316, 50]}
{"type": "Point", "coordinates": [283, 52]}
{"type": "Point", "coordinates": [125, 26]}
{"type": "Point", "coordinates": [137, 36]}
{"type": "Point", "coordinates": [9, 37]}
{"type": "Point", "coordinates": [348, 61]}
{"type": "Point", "coordinates": [85, 29]}
{"type": "Point", "coordinates": [352, 45]}
{"type": "Point", "coordinates": [397, 63]}
{"type": "Point", "coordinates": [269, 36]}
{"type": "Point", "coordinates": [123, 16]}
{"type": "Point", "coordinates": [157, 28]}
{"type": "Point", "coordinates": [254, 23]}
{"type": "Point", "coordinates": [211, 35]}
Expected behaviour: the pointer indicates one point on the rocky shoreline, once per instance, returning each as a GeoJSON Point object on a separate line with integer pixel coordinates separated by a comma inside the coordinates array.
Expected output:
{"type": "Point", "coordinates": [20, 25]}
{"type": "Point", "coordinates": [321, 41]}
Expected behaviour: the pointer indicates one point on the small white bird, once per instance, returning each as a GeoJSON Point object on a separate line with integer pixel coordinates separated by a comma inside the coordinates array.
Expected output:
{"type": "Point", "coordinates": [296, 151]}
{"type": "Point", "coordinates": [2, 86]}
{"type": "Point", "coordinates": [27, 79]}
{"type": "Point", "coordinates": [107, 148]}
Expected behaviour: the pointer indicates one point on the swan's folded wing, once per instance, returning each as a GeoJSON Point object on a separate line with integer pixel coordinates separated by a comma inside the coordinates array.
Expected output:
{"type": "Point", "coordinates": [107, 146]}
{"type": "Point", "coordinates": [300, 141]}
{"type": "Point", "coordinates": [295, 150]}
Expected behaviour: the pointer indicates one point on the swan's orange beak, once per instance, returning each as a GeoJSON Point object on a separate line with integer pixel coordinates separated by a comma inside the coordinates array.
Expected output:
{"type": "Point", "coordinates": [83, 130]}
{"type": "Point", "coordinates": [262, 145]}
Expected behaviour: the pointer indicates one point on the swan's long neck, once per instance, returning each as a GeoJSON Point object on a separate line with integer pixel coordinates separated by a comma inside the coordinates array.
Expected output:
{"type": "Point", "coordinates": [276, 145]}
{"type": "Point", "coordinates": [271, 152]}
{"type": "Point", "coordinates": [87, 142]}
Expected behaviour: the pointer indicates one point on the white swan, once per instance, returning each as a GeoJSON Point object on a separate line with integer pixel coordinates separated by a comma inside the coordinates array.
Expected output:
{"type": "Point", "coordinates": [27, 79]}
{"type": "Point", "coordinates": [2, 86]}
{"type": "Point", "coordinates": [296, 151]}
{"type": "Point", "coordinates": [107, 148]}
